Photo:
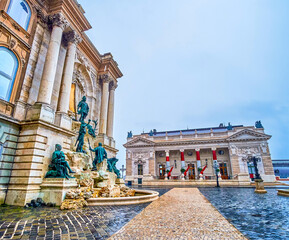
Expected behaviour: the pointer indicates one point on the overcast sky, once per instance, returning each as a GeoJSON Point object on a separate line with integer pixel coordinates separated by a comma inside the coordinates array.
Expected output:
{"type": "Point", "coordinates": [196, 63]}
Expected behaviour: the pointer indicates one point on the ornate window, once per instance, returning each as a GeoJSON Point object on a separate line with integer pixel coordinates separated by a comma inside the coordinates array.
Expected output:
{"type": "Point", "coordinates": [8, 69]}
{"type": "Point", "coordinates": [20, 11]}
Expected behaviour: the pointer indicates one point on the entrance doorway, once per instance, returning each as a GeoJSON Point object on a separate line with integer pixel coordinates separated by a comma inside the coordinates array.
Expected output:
{"type": "Point", "coordinates": [140, 169]}
{"type": "Point", "coordinates": [191, 171]}
{"type": "Point", "coordinates": [223, 170]}
{"type": "Point", "coordinates": [162, 171]}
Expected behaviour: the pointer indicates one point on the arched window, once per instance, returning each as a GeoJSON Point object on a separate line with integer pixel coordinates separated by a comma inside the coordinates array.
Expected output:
{"type": "Point", "coordinates": [20, 11]}
{"type": "Point", "coordinates": [8, 69]}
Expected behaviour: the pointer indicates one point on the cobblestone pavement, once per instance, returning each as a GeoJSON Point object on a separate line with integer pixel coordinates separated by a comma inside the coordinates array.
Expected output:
{"type": "Point", "coordinates": [98, 222]}
{"type": "Point", "coordinates": [181, 213]}
{"type": "Point", "coordinates": [51, 223]}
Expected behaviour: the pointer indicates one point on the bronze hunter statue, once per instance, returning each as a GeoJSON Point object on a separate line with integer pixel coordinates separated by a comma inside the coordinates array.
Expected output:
{"type": "Point", "coordinates": [80, 138]}
{"type": "Point", "coordinates": [82, 109]}
{"type": "Point", "coordinates": [100, 155]}
{"type": "Point", "coordinates": [59, 167]}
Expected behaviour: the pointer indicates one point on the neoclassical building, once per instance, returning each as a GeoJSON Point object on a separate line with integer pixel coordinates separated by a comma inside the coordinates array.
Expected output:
{"type": "Point", "coordinates": [155, 155]}
{"type": "Point", "coordinates": [47, 64]}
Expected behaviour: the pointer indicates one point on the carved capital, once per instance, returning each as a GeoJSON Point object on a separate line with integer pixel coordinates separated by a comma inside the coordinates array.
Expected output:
{"type": "Point", "coordinates": [58, 20]}
{"type": "Point", "coordinates": [105, 78]}
{"type": "Point", "coordinates": [72, 37]}
{"type": "Point", "coordinates": [41, 18]}
{"type": "Point", "coordinates": [112, 86]}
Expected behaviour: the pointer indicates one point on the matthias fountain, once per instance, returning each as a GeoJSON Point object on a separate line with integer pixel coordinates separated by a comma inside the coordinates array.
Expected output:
{"type": "Point", "coordinates": [85, 175]}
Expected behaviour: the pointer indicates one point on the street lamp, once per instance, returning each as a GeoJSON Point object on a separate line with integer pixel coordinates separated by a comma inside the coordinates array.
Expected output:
{"type": "Point", "coordinates": [254, 160]}
{"type": "Point", "coordinates": [217, 170]}
{"type": "Point", "coordinates": [258, 180]}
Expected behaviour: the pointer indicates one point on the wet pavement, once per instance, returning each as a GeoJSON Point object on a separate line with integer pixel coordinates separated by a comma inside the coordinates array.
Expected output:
{"type": "Point", "coordinates": [98, 222]}
{"type": "Point", "coordinates": [181, 213]}
{"type": "Point", "coordinates": [257, 216]}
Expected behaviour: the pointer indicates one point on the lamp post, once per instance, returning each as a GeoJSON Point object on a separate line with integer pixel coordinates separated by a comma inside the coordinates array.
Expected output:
{"type": "Point", "coordinates": [258, 180]}
{"type": "Point", "coordinates": [122, 170]}
{"type": "Point", "coordinates": [216, 167]}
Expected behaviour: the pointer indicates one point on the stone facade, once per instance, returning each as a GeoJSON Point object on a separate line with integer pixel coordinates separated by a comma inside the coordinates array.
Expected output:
{"type": "Point", "coordinates": [156, 155]}
{"type": "Point", "coordinates": [57, 66]}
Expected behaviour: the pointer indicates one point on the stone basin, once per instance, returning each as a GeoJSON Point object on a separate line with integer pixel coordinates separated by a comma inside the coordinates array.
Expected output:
{"type": "Point", "coordinates": [283, 192]}
{"type": "Point", "coordinates": [142, 196]}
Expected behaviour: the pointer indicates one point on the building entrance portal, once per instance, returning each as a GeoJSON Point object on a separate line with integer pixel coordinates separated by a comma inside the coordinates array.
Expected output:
{"type": "Point", "coordinates": [192, 174]}
{"type": "Point", "coordinates": [224, 171]}
{"type": "Point", "coordinates": [162, 171]}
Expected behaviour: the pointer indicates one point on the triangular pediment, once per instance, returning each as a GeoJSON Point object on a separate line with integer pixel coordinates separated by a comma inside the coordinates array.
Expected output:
{"type": "Point", "coordinates": [248, 135]}
{"type": "Point", "coordinates": [139, 142]}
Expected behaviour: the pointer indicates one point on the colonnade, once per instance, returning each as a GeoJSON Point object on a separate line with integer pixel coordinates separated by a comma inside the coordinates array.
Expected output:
{"type": "Point", "coordinates": [59, 24]}
{"type": "Point", "coordinates": [182, 155]}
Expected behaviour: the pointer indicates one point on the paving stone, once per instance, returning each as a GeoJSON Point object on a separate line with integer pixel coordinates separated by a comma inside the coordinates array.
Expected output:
{"type": "Point", "coordinates": [181, 213]}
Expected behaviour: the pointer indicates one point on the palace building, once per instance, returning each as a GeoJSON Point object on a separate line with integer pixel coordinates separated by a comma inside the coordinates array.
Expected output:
{"type": "Point", "coordinates": [47, 64]}
{"type": "Point", "coordinates": [190, 155]}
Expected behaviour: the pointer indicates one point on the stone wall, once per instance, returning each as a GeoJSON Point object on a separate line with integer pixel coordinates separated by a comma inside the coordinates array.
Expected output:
{"type": "Point", "coordinates": [8, 142]}
{"type": "Point", "coordinates": [32, 157]}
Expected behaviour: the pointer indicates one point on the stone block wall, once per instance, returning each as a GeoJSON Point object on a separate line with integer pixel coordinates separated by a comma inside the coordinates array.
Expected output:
{"type": "Point", "coordinates": [32, 157]}
{"type": "Point", "coordinates": [8, 143]}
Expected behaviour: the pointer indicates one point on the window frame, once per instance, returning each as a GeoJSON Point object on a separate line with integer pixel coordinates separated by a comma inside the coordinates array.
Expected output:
{"type": "Point", "coordinates": [12, 78]}
{"type": "Point", "coordinates": [26, 25]}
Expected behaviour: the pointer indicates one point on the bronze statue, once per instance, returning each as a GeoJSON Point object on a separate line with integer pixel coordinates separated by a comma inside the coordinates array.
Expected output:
{"type": "Point", "coordinates": [100, 155]}
{"type": "Point", "coordinates": [258, 124]}
{"type": "Point", "coordinates": [91, 130]}
{"type": "Point", "coordinates": [111, 165]}
{"type": "Point", "coordinates": [82, 109]}
{"type": "Point", "coordinates": [80, 138]}
{"type": "Point", "coordinates": [58, 167]}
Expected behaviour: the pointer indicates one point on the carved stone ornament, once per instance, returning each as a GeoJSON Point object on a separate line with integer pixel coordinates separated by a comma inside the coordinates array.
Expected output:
{"type": "Point", "coordinates": [41, 18]}
{"type": "Point", "coordinates": [139, 162]}
{"type": "Point", "coordinates": [12, 43]}
{"type": "Point", "coordinates": [72, 37]}
{"type": "Point", "coordinates": [58, 20]}
{"type": "Point", "coordinates": [79, 80]}
{"type": "Point", "coordinates": [105, 78]}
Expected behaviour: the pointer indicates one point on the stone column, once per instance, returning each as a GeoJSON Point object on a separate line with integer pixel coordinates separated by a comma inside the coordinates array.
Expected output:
{"type": "Point", "coordinates": [199, 165]}
{"type": "Point", "coordinates": [182, 158]}
{"type": "Point", "coordinates": [104, 104]}
{"type": "Point", "coordinates": [62, 118]}
{"type": "Point", "coordinates": [46, 86]}
{"type": "Point", "coordinates": [110, 114]}
{"type": "Point", "coordinates": [167, 163]}
{"type": "Point", "coordinates": [42, 109]}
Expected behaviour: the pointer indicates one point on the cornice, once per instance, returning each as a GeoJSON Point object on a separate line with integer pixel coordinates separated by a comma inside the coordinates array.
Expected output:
{"type": "Point", "coordinates": [111, 65]}
{"type": "Point", "coordinates": [256, 136]}
{"type": "Point", "coordinates": [188, 142]}
{"type": "Point", "coordinates": [72, 13]}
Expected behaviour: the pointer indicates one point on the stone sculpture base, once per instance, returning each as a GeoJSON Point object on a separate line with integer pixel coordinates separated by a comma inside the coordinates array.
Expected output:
{"type": "Point", "coordinates": [55, 189]}
{"type": "Point", "coordinates": [259, 186]}
{"type": "Point", "coordinates": [120, 182]}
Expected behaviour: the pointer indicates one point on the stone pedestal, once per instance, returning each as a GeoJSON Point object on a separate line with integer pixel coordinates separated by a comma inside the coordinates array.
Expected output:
{"type": "Point", "coordinates": [55, 189]}
{"type": "Point", "coordinates": [166, 176]}
{"type": "Point", "coordinates": [259, 186]}
{"type": "Point", "coordinates": [41, 111]}
{"type": "Point", "coordinates": [63, 120]}
{"type": "Point", "coordinates": [120, 182]}
{"type": "Point", "coordinates": [201, 177]}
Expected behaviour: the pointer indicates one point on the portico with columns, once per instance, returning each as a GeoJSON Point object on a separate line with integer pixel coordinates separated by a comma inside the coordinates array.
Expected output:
{"type": "Point", "coordinates": [189, 155]}
{"type": "Point", "coordinates": [62, 66]}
